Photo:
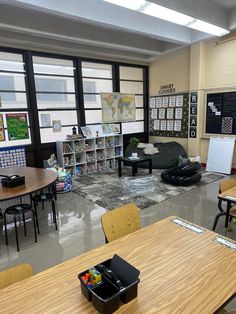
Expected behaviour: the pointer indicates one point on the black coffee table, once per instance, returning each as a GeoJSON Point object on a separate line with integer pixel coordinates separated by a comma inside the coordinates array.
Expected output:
{"type": "Point", "coordinates": [134, 164]}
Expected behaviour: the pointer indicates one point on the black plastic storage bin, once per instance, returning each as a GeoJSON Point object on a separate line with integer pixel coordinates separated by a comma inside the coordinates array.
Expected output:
{"type": "Point", "coordinates": [119, 283]}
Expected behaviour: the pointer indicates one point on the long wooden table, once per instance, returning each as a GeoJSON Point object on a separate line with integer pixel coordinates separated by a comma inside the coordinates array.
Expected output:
{"type": "Point", "coordinates": [35, 179]}
{"type": "Point", "coordinates": [181, 272]}
{"type": "Point", "coordinates": [223, 197]}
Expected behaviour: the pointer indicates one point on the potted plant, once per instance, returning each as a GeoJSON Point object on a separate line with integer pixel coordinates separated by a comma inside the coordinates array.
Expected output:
{"type": "Point", "coordinates": [133, 142]}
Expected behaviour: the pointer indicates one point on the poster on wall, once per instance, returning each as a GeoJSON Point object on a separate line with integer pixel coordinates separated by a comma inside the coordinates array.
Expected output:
{"type": "Point", "coordinates": [45, 119]}
{"type": "Point", "coordinates": [56, 126]}
{"type": "Point", "coordinates": [117, 107]}
{"type": "Point", "coordinates": [2, 134]}
{"type": "Point", "coordinates": [17, 126]}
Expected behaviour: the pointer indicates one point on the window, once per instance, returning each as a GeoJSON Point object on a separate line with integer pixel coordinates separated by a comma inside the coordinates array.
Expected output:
{"type": "Point", "coordinates": [14, 116]}
{"type": "Point", "coordinates": [90, 86]}
{"type": "Point", "coordinates": [97, 78]}
{"type": "Point", "coordinates": [55, 93]}
{"type": "Point", "coordinates": [7, 83]}
{"type": "Point", "coordinates": [132, 82]}
{"type": "Point", "coordinates": [44, 84]}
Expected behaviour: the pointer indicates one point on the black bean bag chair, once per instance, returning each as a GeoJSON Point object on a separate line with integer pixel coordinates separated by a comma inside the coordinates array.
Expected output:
{"type": "Point", "coordinates": [167, 157]}
{"type": "Point", "coordinates": [184, 175]}
{"type": "Point", "coordinates": [189, 168]}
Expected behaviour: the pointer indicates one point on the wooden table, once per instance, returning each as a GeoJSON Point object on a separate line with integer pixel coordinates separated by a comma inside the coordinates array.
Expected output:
{"type": "Point", "coordinates": [35, 179]}
{"type": "Point", "coordinates": [181, 272]}
{"type": "Point", "coordinates": [134, 164]}
{"type": "Point", "coordinates": [223, 197]}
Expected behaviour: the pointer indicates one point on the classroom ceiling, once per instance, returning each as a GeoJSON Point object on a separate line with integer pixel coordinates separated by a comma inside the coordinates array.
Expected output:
{"type": "Point", "coordinates": [96, 28]}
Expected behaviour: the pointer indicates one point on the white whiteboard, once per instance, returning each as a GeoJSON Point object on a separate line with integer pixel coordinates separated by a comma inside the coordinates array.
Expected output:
{"type": "Point", "coordinates": [220, 155]}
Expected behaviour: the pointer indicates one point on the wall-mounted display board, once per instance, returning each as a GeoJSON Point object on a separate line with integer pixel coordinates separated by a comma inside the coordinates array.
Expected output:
{"type": "Point", "coordinates": [12, 157]}
{"type": "Point", "coordinates": [220, 155]}
{"type": "Point", "coordinates": [221, 113]}
{"type": "Point", "coordinates": [169, 115]}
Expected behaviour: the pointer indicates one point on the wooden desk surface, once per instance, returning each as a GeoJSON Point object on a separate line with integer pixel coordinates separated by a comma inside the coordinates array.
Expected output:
{"type": "Point", "coordinates": [229, 192]}
{"type": "Point", "coordinates": [181, 272]}
{"type": "Point", "coordinates": [35, 179]}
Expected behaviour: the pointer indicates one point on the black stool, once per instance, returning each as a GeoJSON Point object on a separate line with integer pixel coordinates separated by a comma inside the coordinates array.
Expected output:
{"type": "Point", "coordinates": [15, 210]}
{"type": "Point", "coordinates": [42, 198]}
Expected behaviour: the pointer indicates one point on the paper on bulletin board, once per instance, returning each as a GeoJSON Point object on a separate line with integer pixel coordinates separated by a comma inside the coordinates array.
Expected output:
{"type": "Point", "coordinates": [156, 125]}
{"type": "Point", "coordinates": [56, 126]}
{"type": "Point", "coordinates": [2, 134]}
{"type": "Point", "coordinates": [170, 125]}
{"type": "Point", "coordinates": [45, 119]}
{"type": "Point", "coordinates": [177, 126]}
{"type": "Point", "coordinates": [162, 113]}
{"type": "Point", "coordinates": [159, 102]}
{"type": "Point", "coordinates": [152, 102]}
{"type": "Point", "coordinates": [165, 101]}
{"type": "Point", "coordinates": [179, 100]}
{"type": "Point", "coordinates": [170, 113]}
{"type": "Point", "coordinates": [17, 126]}
{"type": "Point", "coordinates": [172, 101]}
{"type": "Point", "coordinates": [153, 114]}
{"type": "Point", "coordinates": [178, 113]}
{"type": "Point", "coordinates": [163, 125]}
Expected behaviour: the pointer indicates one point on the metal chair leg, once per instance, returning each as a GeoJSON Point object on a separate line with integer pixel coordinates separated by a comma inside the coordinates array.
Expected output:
{"type": "Point", "coordinates": [35, 233]}
{"type": "Point", "coordinates": [23, 214]}
{"type": "Point", "coordinates": [36, 217]}
{"type": "Point", "coordinates": [5, 224]}
{"type": "Point", "coordinates": [54, 213]}
{"type": "Point", "coordinates": [17, 240]}
{"type": "Point", "coordinates": [216, 220]}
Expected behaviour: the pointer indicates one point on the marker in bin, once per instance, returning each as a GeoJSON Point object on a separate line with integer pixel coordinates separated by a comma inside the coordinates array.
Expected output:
{"type": "Point", "coordinates": [93, 277]}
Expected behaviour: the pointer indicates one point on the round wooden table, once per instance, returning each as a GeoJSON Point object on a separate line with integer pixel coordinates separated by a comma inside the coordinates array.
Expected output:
{"type": "Point", "coordinates": [35, 179]}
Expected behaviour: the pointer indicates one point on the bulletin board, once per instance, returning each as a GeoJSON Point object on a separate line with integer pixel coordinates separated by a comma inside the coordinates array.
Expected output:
{"type": "Point", "coordinates": [169, 115]}
{"type": "Point", "coordinates": [221, 113]}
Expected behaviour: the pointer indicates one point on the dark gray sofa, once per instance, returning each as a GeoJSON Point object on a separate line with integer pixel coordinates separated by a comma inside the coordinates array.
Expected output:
{"type": "Point", "coordinates": [167, 157]}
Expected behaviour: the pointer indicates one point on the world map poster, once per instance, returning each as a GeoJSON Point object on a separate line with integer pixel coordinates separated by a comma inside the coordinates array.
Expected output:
{"type": "Point", "coordinates": [117, 107]}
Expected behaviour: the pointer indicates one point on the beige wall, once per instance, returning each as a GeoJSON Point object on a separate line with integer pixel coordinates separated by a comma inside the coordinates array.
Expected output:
{"type": "Point", "coordinates": [171, 69]}
{"type": "Point", "coordinates": [204, 67]}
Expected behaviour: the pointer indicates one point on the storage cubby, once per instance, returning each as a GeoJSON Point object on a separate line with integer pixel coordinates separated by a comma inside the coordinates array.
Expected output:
{"type": "Point", "coordinates": [91, 154]}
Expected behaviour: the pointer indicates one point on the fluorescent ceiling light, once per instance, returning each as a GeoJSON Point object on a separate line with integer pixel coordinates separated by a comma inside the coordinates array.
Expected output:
{"type": "Point", "coordinates": [129, 4]}
{"type": "Point", "coordinates": [169, 15]}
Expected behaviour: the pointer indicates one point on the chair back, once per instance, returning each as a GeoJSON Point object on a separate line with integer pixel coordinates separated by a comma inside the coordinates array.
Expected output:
{"type": "Point", "coordinates": [15, 274]}
{"type": "Point", "coordinates": [120, 222]}
{"type": "Point", "coordinates": [226, 185]}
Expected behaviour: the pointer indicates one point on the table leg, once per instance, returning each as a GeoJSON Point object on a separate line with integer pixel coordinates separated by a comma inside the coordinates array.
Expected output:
{"type": "Point", "coordinates": [227, 214]}
{"type": "Point", "coordinates": [150, 166]}
{"type": "Point", "coordinates": [134, 169]}
{"type": "Point", "coordinates": [119, 168]}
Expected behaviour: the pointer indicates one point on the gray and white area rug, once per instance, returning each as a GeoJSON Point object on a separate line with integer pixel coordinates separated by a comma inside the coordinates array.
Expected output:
{"type": "Point", "coordinates": [109, 191]}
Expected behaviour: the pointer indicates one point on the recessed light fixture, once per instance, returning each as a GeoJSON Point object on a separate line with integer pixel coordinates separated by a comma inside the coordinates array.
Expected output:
{"type": "Point", "coordinates": [169, 15]}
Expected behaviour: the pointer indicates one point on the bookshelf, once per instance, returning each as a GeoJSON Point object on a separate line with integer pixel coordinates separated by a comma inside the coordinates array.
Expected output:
{"type": "Point", "coordinates": [90, 155]}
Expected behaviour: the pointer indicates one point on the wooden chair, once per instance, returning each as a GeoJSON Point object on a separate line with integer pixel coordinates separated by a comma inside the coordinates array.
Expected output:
{"type": "Point", "coordinates": [224, 186]}
{"type": "Point", "coordinates": [120, 222]}
{"type": "Point", "coordinates": [15, 274]}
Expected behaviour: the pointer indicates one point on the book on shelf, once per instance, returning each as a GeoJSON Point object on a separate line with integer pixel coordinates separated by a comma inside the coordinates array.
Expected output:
{"type": "Point", "coordinates": [74, 136]}
{"type": "Point", "coordinates": [67, 148]}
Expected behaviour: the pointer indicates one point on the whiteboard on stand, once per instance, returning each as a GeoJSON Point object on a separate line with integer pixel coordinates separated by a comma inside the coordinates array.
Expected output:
{"type": "Point", "coordinates": [220, 155]}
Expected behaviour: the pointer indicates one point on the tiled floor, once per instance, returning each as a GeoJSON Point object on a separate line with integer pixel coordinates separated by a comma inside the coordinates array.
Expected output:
{"type": "Point", "coordinates": [80, 229]}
